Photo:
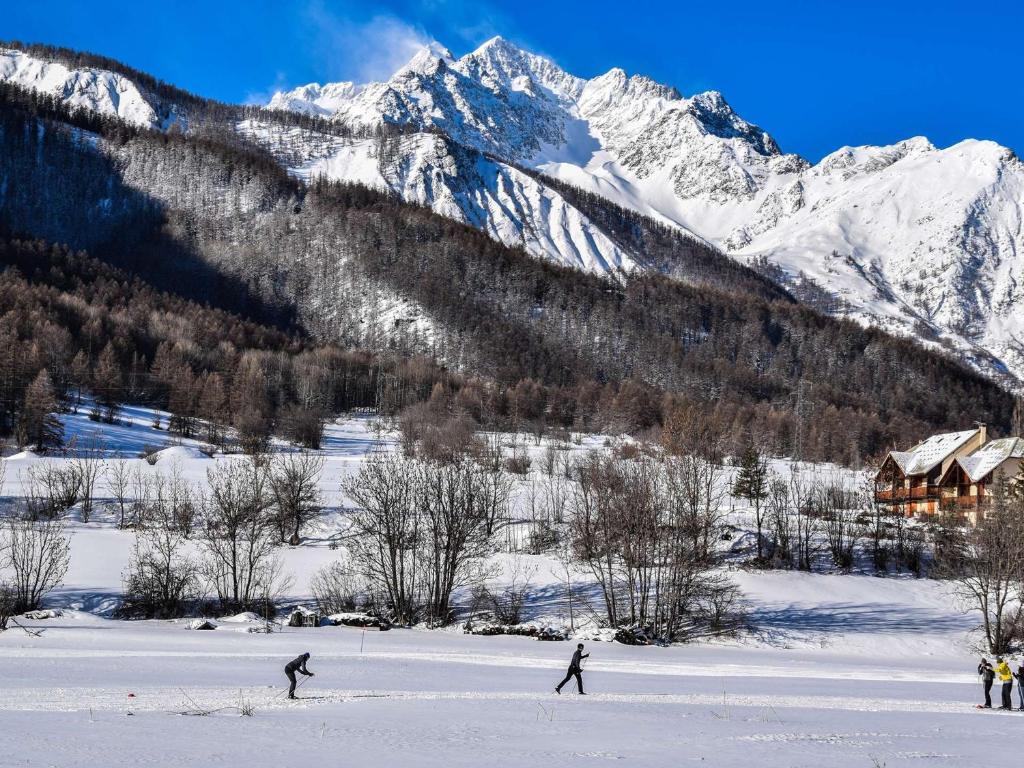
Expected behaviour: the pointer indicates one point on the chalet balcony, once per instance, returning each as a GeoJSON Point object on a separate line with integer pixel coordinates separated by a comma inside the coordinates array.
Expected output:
{"type": "Point", "coordinates": [969, 502]}
{"type": "Point", "coordinates": [900, 495]}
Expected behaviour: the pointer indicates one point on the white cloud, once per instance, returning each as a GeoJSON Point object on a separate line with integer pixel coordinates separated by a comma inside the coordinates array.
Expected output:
{"type": "Point", "coordinates": [261, 97]}
{"type": "Point", "coordinates": [363, 51]}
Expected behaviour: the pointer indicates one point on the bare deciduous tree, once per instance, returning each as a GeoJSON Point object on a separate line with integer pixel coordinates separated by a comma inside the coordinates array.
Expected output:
{"type": "Point", "coordinates": [118, 481]}
{"type": "Point", "coordinates": [38, 552]}
{"type": "Point", "coordinates": [420, 532]}
{"type": "Point", "coordinates": [294, 482]}
{"type": "Point", "coordinates": [644, 531]}
{"type": "Point", "coordinates": [780, 520]}
{"type": "Point", "coordinates": [694, 487]}
{"type": "Point", "coordinates": [986, 568]}
{"type": "Point", "coordinates": [840, 513]}
{"type": "Point", "coordinates": [239, 538]}
{"type": "Point", "coordinates": [806, 525]}
{"type": "Point", "coordinates": [87, 464]}
{"type": "Point", "coordinates": [455, 531]}
{"type": "Point", "coordinates": [387, 531]}
{"type": "Point", "coordinates": [161, 577]}
{"type": "Point", "coordinates": [495, 492]}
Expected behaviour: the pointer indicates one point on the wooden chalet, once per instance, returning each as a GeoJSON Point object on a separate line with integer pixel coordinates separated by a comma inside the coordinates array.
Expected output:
{"type": "Point", "coordinates": [909, 481]}
{"type": "Point", "coordinates": [970, 480]}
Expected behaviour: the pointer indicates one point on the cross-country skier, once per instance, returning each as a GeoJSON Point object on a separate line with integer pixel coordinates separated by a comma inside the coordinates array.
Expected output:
{"type": "Point", "coordinates": [987, 676]}
{"type": "Point", "coordinates": [1006, 678]}
{"type": "Point", "coordinates": [575, 668]}
{"type": "Point", "coordinates": [1019, 674]}
{"type": "Point", "coordinates": [293, 666]}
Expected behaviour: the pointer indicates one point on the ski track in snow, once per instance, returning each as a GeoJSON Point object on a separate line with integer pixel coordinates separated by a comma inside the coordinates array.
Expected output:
{"type": "Point", "coordinates": [175, 700]}
{"type": "Point", "coordinates": [639, 667]}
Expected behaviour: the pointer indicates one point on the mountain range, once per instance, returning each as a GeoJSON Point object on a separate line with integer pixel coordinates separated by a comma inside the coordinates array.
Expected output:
{"type": "Point", "coordinates": [918, 240]}
{"type": "Point", "coordinates": [915, 239]}
{"type": "Point", "coordinates": [517, 223]}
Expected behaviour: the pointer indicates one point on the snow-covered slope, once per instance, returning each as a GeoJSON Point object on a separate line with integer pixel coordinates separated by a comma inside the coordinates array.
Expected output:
{"type": "Point", "coordinates": [431, 170]}
{"type": "Point", "coordinates": [845, 670]}
{"type": "Point", "coordinates": [99, 90]}
{"type": "Point", "coordinates": [919, 240]}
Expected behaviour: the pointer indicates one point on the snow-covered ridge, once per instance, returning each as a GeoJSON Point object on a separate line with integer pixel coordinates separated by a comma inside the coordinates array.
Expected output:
{"type": "Point", "coordinates": [99, 90]}
{"type": "Point", "coordinates": [431, 170]}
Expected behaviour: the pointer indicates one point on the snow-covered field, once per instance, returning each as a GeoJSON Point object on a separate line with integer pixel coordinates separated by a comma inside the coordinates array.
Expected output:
{"type": "Point", "coordinates": [843, 670]}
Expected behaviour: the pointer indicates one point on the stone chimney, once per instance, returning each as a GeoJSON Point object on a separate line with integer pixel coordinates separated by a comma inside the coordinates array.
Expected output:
{"type": "Point", "coordinates": [983, 433]}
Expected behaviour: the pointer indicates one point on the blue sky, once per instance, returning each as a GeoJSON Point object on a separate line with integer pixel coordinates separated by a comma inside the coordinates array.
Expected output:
{"type": "Point", "coordinates": [815, 75]}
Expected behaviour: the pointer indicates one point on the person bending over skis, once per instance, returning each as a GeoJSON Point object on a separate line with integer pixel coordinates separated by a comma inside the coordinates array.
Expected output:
{"type": "Point", "coordinates": [293, 666]}
{"type": "Point", "coordinates": [575, 668]}
{"type": "Point", "coordinates": [988, 675]}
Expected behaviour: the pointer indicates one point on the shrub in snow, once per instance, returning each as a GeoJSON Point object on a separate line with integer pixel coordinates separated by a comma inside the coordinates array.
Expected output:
{"type": "Point", "coordinates": [7, 605]}
{"type": "Point", "coordinates": [633, 636]}
{"type": "Point", "coordinates": [357, 620]}
{"type": "Point", "coordinates": [335, 588]}
{"type": "Point", "coordinates": [518, 463]}
{"type": "Point", "coordinates": [52, 489]}
{"type": "Point", "coordinates": [150, 454]}
{"type": "Point", "coordinates": [49, 613]}
{"type": "Point", "coordinates": [519, 630]}
{"type": "Point", "coordinates": [303, 617]}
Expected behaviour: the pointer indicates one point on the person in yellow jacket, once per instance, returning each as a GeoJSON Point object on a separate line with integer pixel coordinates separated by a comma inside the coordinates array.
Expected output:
{"type": "Point", "coordinates": [1006, 678]}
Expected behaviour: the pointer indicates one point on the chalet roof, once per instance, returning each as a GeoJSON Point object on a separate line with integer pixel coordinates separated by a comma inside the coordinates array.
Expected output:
{"type": "Point", "coordinates": [980, 463]}
{"type": "Point", "coordinates": [923, 457]}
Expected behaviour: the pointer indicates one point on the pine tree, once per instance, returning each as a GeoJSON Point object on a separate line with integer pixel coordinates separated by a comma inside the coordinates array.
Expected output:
{"type": "Point", "coordinates": [752, 484]}
{"type": "Point", "coordinates": [79, 376]}
{"type": "Point", "coordinates": [108, 383]}
{"type": "Point", "coordinates": [214, 407]}
{"type": "Point", "coordinates": [37, 424]}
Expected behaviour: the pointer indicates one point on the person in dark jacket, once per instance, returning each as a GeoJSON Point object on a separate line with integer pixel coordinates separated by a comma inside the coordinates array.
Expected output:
{"type": "Point", "coordinates": [988, 676]}
{"type": "Point", "coordinates": [575, 668]}
{"type": "Point", "coordinates": [293, 666]}
{"type": "Point", "coordinates": [1019, 674]}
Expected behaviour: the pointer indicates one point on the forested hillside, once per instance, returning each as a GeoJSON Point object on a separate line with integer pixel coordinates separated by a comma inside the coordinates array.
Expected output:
{"type": "Point", "coordinates": [211, 218]}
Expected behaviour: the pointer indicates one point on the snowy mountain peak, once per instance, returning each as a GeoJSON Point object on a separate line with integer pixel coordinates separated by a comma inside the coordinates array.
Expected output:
{"type": "Point", "coordinates": [500, 64]}
{"type": "Point", "coordinates": [315, 99]}
{"type": "Point", "coordinates": [869, 159]}
{"type": "Point", "coordinates": [717, 117]}
{"type": "Point", "coordinates": [426, 61]}
{"type": "Point", "coordinates": [616, 81]}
